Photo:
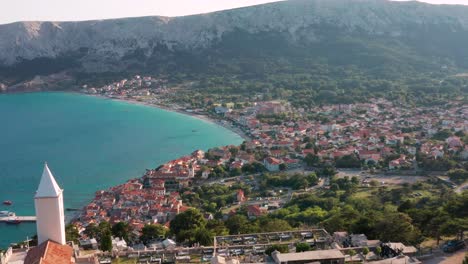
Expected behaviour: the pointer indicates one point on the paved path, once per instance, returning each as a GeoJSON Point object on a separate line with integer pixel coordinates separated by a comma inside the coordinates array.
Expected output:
{"type": "Point", "coordinates": [17, 258]}
{"type": "Point", "coordinates": [21, 218]}
{"type": "Point", "coordinates": [462, 187]}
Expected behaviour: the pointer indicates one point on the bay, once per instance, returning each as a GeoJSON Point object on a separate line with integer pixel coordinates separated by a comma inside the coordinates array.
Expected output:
{"type": "Point", "coordinates": [90, 144]}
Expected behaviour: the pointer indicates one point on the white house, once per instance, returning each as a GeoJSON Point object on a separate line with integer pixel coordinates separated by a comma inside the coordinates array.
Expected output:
{"type": "Point", "coordinates": [119, 244]}
{"type": "Point", "coordinates": [272, 164]}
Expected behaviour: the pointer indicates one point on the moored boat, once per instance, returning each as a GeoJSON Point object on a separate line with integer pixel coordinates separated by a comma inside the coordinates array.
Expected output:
{"type": "Point", "coordinates": [7, 202]}
{"type": "Point", "coordinates": [13, 221]}
{"type": "Point", "coordinates": [6, 213]}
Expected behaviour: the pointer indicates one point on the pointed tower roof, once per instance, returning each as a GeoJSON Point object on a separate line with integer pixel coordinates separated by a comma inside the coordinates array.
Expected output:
{"type": "Point", "coordinates": [48, 187]}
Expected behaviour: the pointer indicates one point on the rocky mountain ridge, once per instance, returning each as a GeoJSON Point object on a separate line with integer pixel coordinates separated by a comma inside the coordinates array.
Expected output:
{"type": "Point", "coordinates": [117, 44]}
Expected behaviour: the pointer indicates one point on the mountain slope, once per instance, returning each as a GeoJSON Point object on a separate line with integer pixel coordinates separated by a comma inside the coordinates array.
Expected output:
{"type": "Point", "coordinates": [380, 37]}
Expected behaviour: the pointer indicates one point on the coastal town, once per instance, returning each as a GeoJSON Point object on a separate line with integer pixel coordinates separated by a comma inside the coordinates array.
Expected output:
{"type": "Point", "coordinates": [234, 132]}
{"type": "Point", "coordinates": [288, 152]}
{"type": "Point", "coordinates": [379, 134]}
{"type": "Point", "coordinates": [369, 141]}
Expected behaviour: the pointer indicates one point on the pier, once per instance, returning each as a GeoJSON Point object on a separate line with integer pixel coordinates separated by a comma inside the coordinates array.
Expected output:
{"type": "Point", "coordinates": [20, 218]}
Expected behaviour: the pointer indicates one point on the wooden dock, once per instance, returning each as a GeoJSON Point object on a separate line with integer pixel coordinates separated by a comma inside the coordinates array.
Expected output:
{"type": "Point", "coordinates": [20, 218]}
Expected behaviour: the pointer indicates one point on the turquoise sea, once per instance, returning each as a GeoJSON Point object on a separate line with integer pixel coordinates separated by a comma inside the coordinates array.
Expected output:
{"type": "Point", "coordinates": [89, 143]}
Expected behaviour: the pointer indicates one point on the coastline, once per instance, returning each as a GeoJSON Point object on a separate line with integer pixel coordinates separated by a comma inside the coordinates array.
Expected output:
{"type": "Point", "coordinates": [70, 216]}
{"type": "Point", "coordinates": [177, 109]}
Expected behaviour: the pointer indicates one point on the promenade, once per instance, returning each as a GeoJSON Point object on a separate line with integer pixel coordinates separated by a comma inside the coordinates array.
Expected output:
{"type": "Point", "coordinates": [20, 218]}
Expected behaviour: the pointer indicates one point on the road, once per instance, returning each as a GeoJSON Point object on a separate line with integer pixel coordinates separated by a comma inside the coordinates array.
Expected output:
{"type": "Point", "coordinates": [380, 177]}
{"type": "Point", "coordinates": [462, 187]}
{"type": "Point", "coordinates": [458, 188]}
{"type": "Point", "coordinates": [455, 258]}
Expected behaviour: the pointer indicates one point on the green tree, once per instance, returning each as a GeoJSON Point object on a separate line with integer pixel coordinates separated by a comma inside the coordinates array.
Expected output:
{"type": "Point", "coordinates": [104, 227]}
{"type": "Point", "coordinates": [235, 172]}
{"type": "Point", "coordinates": [189, 220]}
{"type": "Point", "coordinates": [234, 151]}
{"type": "Point", "coordinates": [235, 223]}
{"type": "Point", "coordinates": [397, 227]}
{"type": "Point", "coordinates": [106, 241]}
{"type": "Point", "coordinates": [279, 248]}
{"type": "Point", "coordinates": [455, 227]}
{"type": "Point", "coordinates": [328, 171]}
{"type": "Point", "coordinates": [282, 167]}
{"type": "Point", "coordinates": [302, 247]}
{"type": "Point", "coordinates": [152, 231]}
{"type": "Point", "coordinates": [334, 187]}
{"type": "Point", "coordinates": [436, 225]}
{"type": "Point", "coordinates": [300, 181]}
{"type": "Point", "coordinates": [204, 237]}
{"type": "Point", "coordinates": [405, 206]}
{"type": "Point", "coordinates": [92, 230]}
{"type": "Point", "coordinates": [365, 224]}
{"type": "Point", "coordinates": [312, 179]}
{"type": "Point", "coordinates": [348, 161]}
{"type": "Point", "coordinates": [365, 251]}
{"type": "Point", "coordinates": [442, 135]}
{"type": "Point", "coordinates": [71, 233]}
{"type": "Point", "coordinates": [311, 160]}
{"type": "Point", "coordinates": [352, 253]}
{"type": "Point", "coordinates": [378, 250]}
{"type": "Point", "coordinates": [272, 225]}
{"type": "Point", "coordinates": [218, 227]}
{"type": "Point", "coordinates": [458, 175]}
{"type": "Point", "coordinates": [121, 230]}
{"type": "Point", "coordinates": [335, 223]}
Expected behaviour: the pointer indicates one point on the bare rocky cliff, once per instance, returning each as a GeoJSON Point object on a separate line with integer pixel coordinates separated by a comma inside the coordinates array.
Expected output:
{"type": "Point", "coordinates": [116, 45]}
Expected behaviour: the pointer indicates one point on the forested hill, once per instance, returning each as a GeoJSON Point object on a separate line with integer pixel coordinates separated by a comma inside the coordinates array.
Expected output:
{"type": "Point", "coordinates": [363, 45]}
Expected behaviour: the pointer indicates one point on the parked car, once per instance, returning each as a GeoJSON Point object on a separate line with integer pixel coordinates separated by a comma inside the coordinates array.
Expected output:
{"type": "Point", "coordinates": [453, 245]}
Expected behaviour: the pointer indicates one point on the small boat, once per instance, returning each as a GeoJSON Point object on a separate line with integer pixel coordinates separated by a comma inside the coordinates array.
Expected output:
{"type": "Point", "coordinates": [6, 213]}
{"type": "Point", "coordinates": [13, 221]}
{"type": "Point", "coordinates": [7, 202]}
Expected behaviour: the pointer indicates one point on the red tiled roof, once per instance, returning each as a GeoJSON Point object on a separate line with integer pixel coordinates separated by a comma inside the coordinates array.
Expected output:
{"type": "Point", "coordinates": [50, 252]}
{"type": "Point", "coordinates": [273, 161]}
{"type": "Point", "coordinates": [254, 210]}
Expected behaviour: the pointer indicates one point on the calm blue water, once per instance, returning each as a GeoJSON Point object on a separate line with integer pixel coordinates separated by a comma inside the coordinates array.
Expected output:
{"type": "Point", "coordinates": [89, 143]}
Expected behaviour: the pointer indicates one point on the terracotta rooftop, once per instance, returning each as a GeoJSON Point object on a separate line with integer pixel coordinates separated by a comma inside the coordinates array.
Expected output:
{"type": "Point", "coordinates": [50, 252]}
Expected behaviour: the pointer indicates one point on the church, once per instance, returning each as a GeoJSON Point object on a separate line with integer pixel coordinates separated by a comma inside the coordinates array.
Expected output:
{"type": "Point", "coordinates": [50, 222]}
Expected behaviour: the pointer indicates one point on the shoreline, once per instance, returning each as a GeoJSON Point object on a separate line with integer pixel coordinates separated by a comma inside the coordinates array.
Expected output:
{"type": "Point", "coordinates": [181, 111]}
{"type": "Point", "coordinates": [70, 216]}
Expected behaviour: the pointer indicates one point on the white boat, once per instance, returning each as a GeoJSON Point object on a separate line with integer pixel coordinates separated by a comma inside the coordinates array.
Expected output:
{"type": "Point", "coordinates": [6, 213]}
{"type": "Point", "coordinates": [13, 221]}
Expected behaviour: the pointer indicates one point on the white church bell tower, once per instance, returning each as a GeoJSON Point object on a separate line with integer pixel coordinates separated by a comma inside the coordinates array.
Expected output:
{"type": "Point", "coordinates": [50, 216]}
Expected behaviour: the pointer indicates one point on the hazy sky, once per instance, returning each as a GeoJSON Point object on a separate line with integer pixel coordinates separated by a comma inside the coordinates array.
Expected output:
{"type": "Point", "coordinates": [62, 10]}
